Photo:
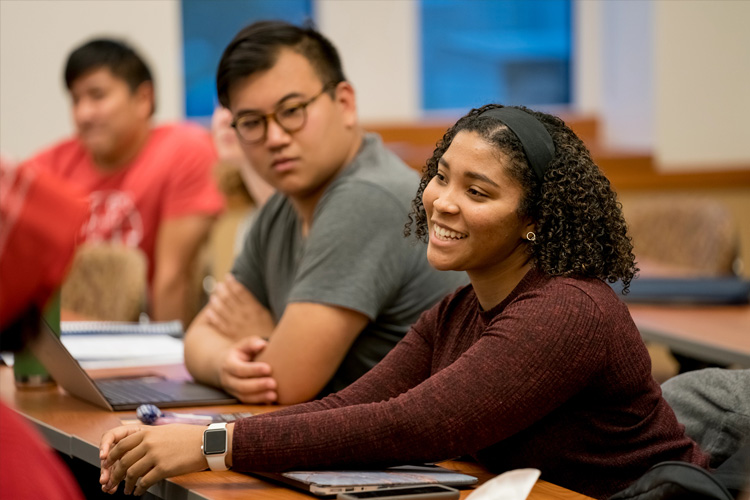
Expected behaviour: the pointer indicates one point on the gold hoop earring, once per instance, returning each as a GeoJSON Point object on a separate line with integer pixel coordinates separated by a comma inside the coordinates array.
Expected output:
{"type": "Point", "coordinates": [531, 236]}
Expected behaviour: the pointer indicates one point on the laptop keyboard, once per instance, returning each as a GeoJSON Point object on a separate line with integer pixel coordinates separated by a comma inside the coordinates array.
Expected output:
{"type": "Point", "coordinates": [131, 391]}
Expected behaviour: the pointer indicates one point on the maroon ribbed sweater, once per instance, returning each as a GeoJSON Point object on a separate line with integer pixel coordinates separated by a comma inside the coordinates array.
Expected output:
{"type": "Point", "coordinates": [555, 377]}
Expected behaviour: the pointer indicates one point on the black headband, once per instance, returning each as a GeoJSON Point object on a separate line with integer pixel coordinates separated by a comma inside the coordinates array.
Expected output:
{"type": "Point", "coordinates": [534, 137]}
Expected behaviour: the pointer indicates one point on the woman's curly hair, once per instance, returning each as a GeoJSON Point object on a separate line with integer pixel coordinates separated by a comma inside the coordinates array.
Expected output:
{"type": "Point", "coordinates": [580, 229]}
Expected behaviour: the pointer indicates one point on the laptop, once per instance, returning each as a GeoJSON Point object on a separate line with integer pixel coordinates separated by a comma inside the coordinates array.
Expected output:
{"type": "Point", "coordinates": [119, 393]}
{"type": "Point", "coordinates": [326, 483]}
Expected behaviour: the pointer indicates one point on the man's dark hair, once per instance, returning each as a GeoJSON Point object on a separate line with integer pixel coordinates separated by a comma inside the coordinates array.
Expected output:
{"type": "Point", "coordinates": [257, 47]}
{"type": "Point", "coordinates": [114, 55]}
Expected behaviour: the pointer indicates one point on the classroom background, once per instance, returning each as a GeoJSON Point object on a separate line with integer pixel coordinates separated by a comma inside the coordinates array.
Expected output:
{"type": "Point", "coordinates": [657, 89]}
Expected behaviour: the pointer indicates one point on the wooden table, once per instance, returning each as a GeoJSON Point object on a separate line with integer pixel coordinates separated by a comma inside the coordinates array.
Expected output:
{"type": "Point", "coordinates": [74, 427]}
{"type": "Point", "coordinates": [719, 334]}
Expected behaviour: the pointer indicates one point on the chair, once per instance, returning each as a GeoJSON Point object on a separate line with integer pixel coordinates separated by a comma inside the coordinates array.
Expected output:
{"type": "Point", "coordinates": [683, 236]}
{"type": "Point", "coordinates": [106, 282]}
{"type": "Point", "coordinates": [714, 406]}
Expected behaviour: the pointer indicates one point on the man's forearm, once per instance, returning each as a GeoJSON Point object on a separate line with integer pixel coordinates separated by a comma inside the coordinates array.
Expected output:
{"type": "Point", "coordinates": [205, 348]}
{"type": "Point", "coordinates": [304, 352]}
{"type": "Point", "coordinates": [307, 348]}
{"type": "Point", "coordinates": [175, 288]}
{"type": "Point", "coordinates": [171, 300]}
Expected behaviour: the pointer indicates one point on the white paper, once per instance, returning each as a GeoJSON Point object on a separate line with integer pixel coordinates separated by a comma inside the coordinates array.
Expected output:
{"type": "Point", "coordinates": [97, 351]}
{"type": "Point", "coordinates": [511, 485]}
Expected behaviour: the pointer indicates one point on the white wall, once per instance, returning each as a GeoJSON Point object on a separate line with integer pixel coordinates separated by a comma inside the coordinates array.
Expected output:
{"type": "Point", "coordinates": [35, 40]}
{"type": "Point", "coordinates": [377, 40]}
{"type": "Point", "coordinates": [702, 84]}
{"type": "Point", "coordinates": [613, 71]}
{"type": "Point", "coordinates": [379, 46]}
{"type": "Point", "coordinates": [627, 74]}
{"type": "Point", "coordinates": [587, 57]}
{"type": "Point", "coordinates": [667, 76]}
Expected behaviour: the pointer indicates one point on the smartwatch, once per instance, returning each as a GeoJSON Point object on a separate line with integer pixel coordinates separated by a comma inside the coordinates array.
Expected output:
{"type": "Point", "coordinates": [215, 443]}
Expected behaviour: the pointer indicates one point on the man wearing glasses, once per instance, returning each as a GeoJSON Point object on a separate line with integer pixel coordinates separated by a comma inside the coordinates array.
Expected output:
{"type": "Point", "coordinates": [326, 283]}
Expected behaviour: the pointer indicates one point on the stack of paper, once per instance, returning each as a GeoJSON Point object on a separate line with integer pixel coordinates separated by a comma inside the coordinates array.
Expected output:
{"type": "Point", "coordinates": [109, 344]}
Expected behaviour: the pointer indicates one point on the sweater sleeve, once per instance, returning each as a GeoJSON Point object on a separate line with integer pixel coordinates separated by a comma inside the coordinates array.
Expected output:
{"type": "Point", "coordinates": [523, 366]}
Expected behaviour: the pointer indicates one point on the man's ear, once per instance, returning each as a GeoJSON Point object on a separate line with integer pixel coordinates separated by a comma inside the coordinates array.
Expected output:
{"type": "Point", "coordinates": [345, 98]}
{"type": "Point", "coordinates": [145, 99]}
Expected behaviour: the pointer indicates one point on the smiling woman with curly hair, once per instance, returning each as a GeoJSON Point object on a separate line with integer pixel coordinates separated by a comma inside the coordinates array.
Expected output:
{"type": "Point", "coordinates": [580, 229]}
{"type": "Point", "coordinates": [537, 363]}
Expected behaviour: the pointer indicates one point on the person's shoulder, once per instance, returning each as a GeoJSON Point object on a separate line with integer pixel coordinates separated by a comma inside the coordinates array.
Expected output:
{"type": "Point", "coordinates": [378, 176]}
{"type": "Point", "coordinates": [59, 156]}
{"type": "Point", "coordinates": [573, 286]}
{"type": "Point", "coordinates": [185, 134]}
{"type": "Point", "coordinates": [276, 203]}
{"type": "Point", "coordinates": [584, 292]}
{"type": "Point", "coordinates": [595, 288]}
{"type": "Point", "coordinates": [182, 131]}
{"type": "Point", "coordinates": [378, 165]}
{"type": "Point", "coordinates": [186, 144]}
{"type": "Point", "coordinates": [275, 214]}
{"type": "Point", "coordinates": [570, 307]}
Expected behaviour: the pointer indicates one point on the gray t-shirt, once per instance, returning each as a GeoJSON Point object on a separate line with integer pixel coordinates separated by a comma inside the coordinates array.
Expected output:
{"type": "Point", "coordinates": [355, 256]}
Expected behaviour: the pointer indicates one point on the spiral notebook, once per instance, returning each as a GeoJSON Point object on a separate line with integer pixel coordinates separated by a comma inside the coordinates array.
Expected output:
{"type": "Point", "coordinates": [172, 328]}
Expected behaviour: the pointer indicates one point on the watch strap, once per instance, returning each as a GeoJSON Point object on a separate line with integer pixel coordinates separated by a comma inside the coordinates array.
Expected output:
{"type": "Point", "coordinates": [216, 462]}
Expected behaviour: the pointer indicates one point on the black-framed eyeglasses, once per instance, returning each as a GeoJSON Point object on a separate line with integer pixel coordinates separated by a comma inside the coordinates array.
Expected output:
{"type": "Point", "coordinates": [291, 116]}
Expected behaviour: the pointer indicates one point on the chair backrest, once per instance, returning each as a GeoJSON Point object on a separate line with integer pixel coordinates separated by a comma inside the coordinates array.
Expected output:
{"type": "Point", "coordinates": [685, 234]}
{"type": "Point", "coordinates": [106, 282]}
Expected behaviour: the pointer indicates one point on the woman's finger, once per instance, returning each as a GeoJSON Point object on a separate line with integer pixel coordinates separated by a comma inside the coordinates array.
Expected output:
{"type": "Point", "coordinates": [127, 466]}
{"type": "Point", "coordinates": [123, 446]}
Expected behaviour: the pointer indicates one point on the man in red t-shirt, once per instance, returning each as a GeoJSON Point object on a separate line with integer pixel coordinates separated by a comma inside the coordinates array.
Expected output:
{"type": "Point", "coordinates": [149, 187]}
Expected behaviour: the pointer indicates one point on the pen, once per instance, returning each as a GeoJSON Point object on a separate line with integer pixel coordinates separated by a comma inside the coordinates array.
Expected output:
{"type": "Point", "coordinates": [152, 415]}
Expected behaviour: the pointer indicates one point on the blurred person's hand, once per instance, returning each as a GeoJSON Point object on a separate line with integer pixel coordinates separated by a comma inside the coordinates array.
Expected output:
{"type": "Point", "coordinates": [225, 139]}
{"type": "Point", "coordinates": [230, 153]}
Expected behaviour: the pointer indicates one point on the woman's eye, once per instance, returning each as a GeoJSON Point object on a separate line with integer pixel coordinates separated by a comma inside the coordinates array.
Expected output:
{"type": "Point", "coordinates": [474, 192]}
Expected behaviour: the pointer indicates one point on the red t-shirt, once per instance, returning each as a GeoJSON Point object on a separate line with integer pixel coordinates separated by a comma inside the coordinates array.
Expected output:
{"type": "Point", "coordinates": [28, 467]}
{"type": "Point", "coordinates": [39, 220]}
{"type": "Point", "coordinates": [171, 177]}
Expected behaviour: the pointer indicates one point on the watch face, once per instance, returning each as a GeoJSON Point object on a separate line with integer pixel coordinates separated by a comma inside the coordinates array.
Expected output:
{"type": "Point", "coordinates": [214, 441]}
